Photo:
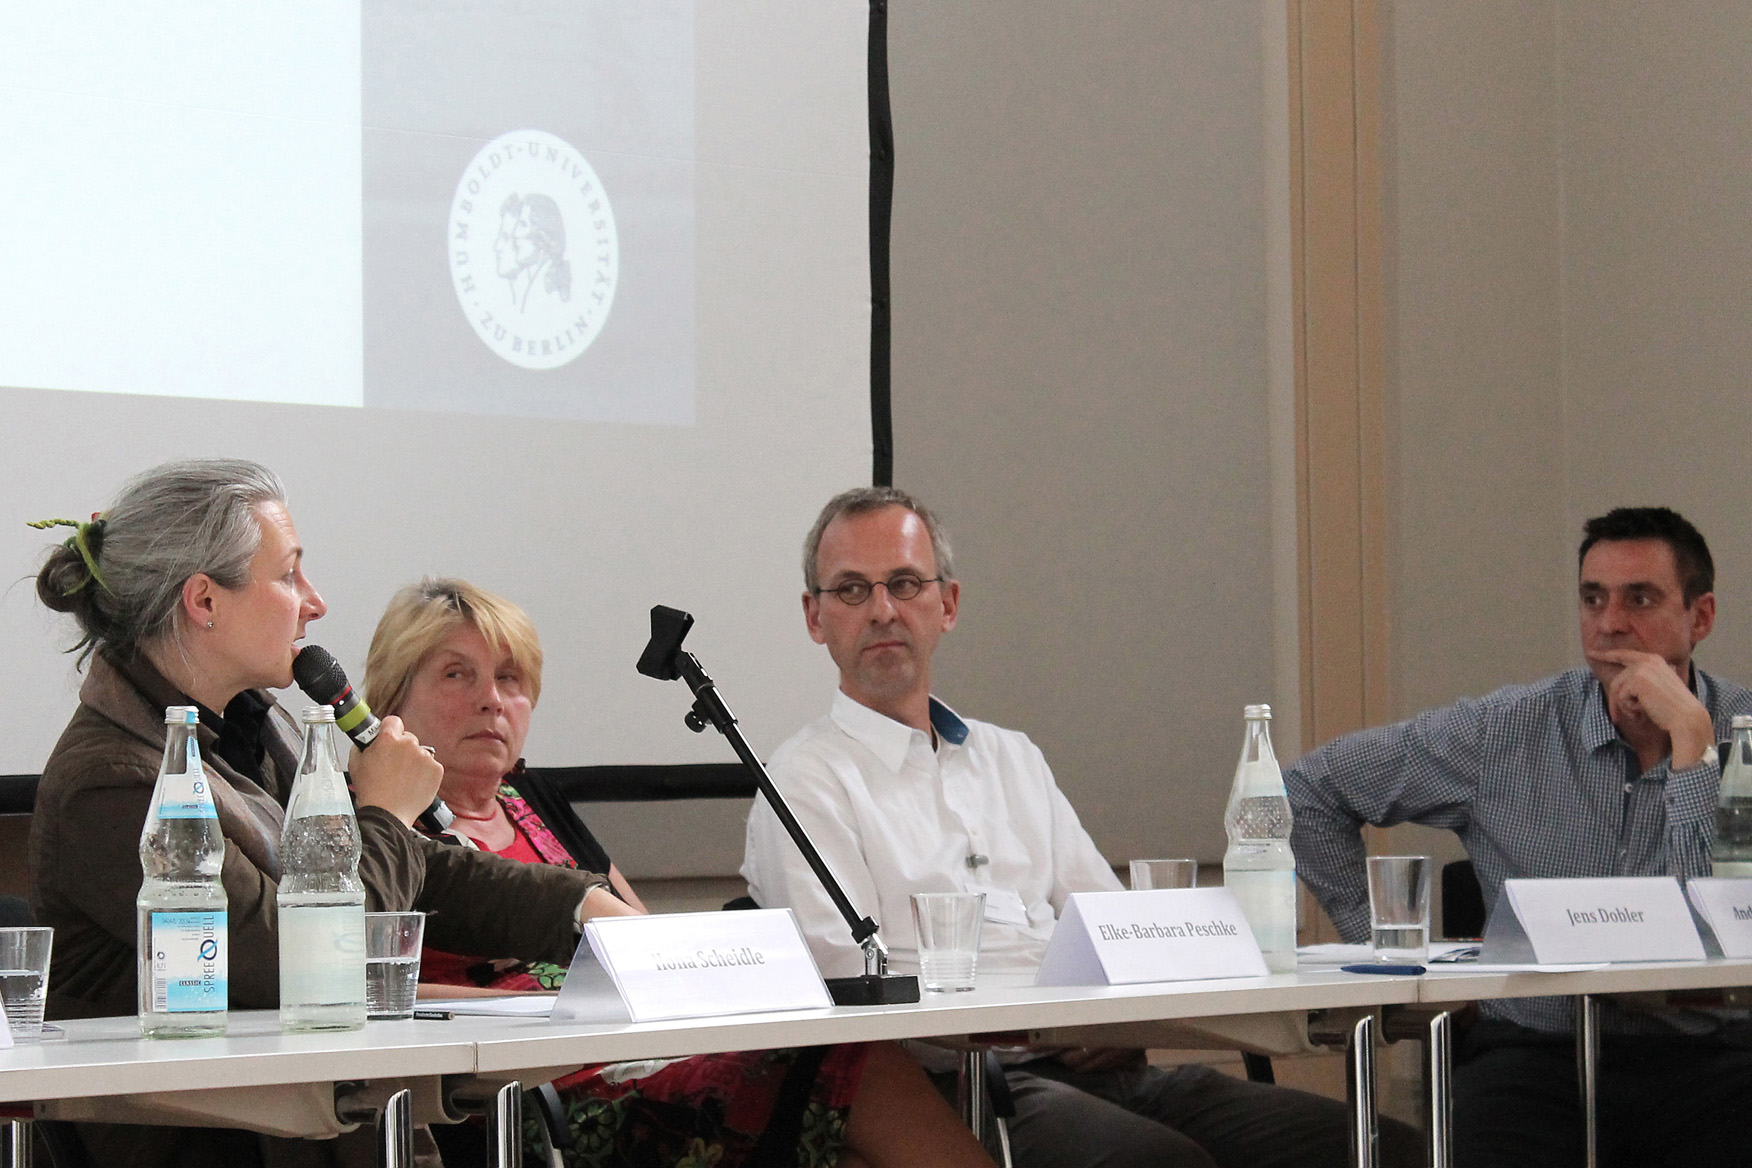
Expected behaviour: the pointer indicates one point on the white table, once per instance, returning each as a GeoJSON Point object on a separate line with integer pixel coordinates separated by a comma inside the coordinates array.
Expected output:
{"type": "Point", "coordinates": [258, 1078]}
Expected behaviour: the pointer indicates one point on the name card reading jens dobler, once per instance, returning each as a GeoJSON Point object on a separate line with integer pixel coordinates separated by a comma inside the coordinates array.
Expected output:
{"type": "Point", "coordinates": [695, 965]}
{"type": "Point", "coordinates": [1615, 918]}
{"type": "Point", "coordinates": [1164, 934]}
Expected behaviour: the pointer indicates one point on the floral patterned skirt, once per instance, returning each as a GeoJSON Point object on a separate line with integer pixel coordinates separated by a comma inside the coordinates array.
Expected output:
{"type": "Point", "coordinates": [711, 1111]}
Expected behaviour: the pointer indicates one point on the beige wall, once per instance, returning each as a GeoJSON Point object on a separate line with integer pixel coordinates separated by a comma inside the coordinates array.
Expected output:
{"type": "Point", "coordinates": [1657, 275]}
{"type": "Point", "coordinates": [1570, 224]}
{"type": "Point", "coordinates": [1081, 384]}
{"type": "Point", "coordinates": [1472, 220]}
{"type": "Point", "coordinates": [1079, 376]}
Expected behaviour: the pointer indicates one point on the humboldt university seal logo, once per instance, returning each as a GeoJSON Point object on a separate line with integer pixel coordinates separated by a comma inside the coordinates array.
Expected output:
{"type": "Point", "coordinates": [533, 251]}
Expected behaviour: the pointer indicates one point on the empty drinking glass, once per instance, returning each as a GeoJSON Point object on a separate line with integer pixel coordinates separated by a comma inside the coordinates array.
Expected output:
{"type": "Point", "coordinates": [948, 930]}
{"type": "Point", "coordinates": [1164, 874]}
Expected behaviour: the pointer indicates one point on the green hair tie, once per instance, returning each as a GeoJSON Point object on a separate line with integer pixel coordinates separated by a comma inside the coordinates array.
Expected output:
{"type": "Point", "coordinates": [80, 542]}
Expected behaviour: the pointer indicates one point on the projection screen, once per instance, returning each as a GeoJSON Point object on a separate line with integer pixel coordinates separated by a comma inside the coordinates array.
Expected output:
{"type": "Point", "coordinates": [567, 297]}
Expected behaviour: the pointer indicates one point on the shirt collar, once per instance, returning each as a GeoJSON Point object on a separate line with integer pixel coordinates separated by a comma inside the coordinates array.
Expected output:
{"type": "Point", "coordinates": [887, 739]}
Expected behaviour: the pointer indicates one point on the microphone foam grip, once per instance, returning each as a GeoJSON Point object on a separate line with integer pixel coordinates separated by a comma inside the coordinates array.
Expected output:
{"type": "Point", "coordinates": [323, 680]}
{"type": "Point", "coordinates": [318, 674]}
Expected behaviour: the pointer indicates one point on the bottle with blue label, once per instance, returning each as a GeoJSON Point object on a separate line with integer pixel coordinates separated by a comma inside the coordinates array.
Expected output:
{"type": "Point", "coordinates": [183, 947]}
{"type": "Point", "coordinates": [321, 899]}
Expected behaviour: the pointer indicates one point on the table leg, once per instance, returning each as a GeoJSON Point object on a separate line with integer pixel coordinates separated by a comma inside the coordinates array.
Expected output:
{"type": "Point", "coordinates": [1588, 1070]}
{"type": "Point", "coordinates": [505, 1126]}
{"type": "Point", "coordinates": [15, 1143]}
{"type": "Point", "coordinates": [395, 1131]}
{"type": "Point", "coordinates": [975, 1097]}
{"type": "Point", "coordinates": [1439, 1080]}
{"type": "Point", "coordinates": [1360, 1088]}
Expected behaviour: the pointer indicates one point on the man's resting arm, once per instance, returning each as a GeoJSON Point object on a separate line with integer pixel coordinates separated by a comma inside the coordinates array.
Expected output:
{"type": "Point", "coordinates": [1421, 771]}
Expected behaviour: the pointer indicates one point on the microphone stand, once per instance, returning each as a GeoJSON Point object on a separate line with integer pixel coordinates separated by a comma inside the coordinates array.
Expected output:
{"type": "Point", "coordinates": [664, 659]}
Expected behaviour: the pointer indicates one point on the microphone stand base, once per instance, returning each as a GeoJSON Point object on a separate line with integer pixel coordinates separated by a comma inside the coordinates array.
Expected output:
{"type": "Point", "coordinates": [873, 989]}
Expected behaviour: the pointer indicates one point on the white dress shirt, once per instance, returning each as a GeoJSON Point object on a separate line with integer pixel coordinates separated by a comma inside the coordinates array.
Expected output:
{"type": "Point", "coordinates": [892, 816]}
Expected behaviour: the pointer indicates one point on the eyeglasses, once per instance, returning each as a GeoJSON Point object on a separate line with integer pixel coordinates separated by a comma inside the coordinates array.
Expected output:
{"type": "Point", "coordinates": [905, 586]}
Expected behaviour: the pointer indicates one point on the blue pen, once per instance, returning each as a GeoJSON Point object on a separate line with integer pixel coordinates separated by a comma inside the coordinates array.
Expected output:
{"type": "Point", "coordinates": [1381, 967]}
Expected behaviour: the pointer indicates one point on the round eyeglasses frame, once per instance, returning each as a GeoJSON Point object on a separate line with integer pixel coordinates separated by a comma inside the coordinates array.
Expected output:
{"type": "Point", "coordinates": [903, 587]}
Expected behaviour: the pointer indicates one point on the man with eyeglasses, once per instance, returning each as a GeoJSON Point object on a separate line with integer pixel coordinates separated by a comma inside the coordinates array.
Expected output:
{"type": "Point", "coordinates": [902, 795]}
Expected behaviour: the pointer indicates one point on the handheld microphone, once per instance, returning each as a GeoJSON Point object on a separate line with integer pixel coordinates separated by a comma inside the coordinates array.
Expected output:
{"type": "Point", "coordinates": [323, 681]}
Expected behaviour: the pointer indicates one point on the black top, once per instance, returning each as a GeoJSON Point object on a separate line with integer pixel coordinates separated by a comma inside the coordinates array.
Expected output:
{"type": "Point", "coordinates": [239, 732]}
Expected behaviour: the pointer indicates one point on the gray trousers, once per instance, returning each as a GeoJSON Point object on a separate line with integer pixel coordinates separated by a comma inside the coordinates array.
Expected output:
{"type": "Point", "coordinates": [1189, 1117]}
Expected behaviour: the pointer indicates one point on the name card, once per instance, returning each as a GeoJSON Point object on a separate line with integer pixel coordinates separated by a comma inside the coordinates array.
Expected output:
{"type": "Point", "coordinates": [1614, 918]}
{"type": "Point", "coordinates": [697, 965]}
{"type": "Point", "coordinates": [1165, 934]}
{"type": "Point", "coordinates": [1726, 907]}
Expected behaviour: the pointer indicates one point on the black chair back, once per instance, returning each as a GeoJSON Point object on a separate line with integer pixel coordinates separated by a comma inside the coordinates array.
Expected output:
{"type": "Point", "coordinates": [1463, 907]}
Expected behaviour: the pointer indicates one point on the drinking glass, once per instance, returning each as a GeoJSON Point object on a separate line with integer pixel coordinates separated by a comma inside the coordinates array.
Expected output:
{"type": "Point", "coordinates": [24, 979]}
{"type": "Point", "coordinates": [948, 926]}
{"type": "Point", "coordinates": [392, 963]}
{"type": "Point", "coordinates": [1399, 908]}
{"type": "Point", "coordinates": [1164, 874]}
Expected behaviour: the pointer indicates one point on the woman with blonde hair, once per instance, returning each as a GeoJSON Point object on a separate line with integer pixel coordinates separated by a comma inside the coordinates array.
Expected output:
{"type": "Point", "coordinates": [462, 669]}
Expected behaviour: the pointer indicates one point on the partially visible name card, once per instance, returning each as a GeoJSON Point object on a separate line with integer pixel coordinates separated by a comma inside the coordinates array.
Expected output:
{"type": "Point", "coordinates": [1167, 934]}
{"type": "Point", "coordinates": [1726, 907]}
{"type": "Point", "coordinates": [1614, 918]}
{"type": "Point", "coordinates": [695, 965]}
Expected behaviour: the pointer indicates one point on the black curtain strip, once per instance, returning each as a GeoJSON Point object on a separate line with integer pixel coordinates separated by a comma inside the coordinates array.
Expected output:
{"type": "Point", "coordinates": [17, 794]}
{"type": "Point", "coordinates": [881, 215]}
{"type": "Point", "coordinates": [644, 784]}
{"type": "Point", "coordinates": [582, 784]}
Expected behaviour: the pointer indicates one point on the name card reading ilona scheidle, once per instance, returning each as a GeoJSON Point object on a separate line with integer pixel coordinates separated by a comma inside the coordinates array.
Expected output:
{"type": "Point", "coordinates": [1726, 907]}
{"type": "Point", "coordinates": [1613, 918]}
{"type": "Point", "coordinates": [1165, 934]}
{"type": "Point", "coordinates": [696, 965]}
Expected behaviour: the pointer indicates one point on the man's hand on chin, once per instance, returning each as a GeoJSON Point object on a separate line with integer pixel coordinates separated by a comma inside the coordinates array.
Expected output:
{"type": "Point", "coordinates": [1648, 695]}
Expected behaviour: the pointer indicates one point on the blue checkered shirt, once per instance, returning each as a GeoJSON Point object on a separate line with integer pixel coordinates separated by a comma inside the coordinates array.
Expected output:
{"type": "Point", "coordinates": [1536, 782]}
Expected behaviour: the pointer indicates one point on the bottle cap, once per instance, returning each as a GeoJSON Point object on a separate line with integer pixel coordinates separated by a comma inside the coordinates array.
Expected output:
{"type": "Point", "coordinates": [317, 714]}
{"type": "Point", "coordinates": [1261, 711]}
{"type": "Point", "coordinates": [182, 715]}
{"type": "Point", "coordinates": [1742, 722]}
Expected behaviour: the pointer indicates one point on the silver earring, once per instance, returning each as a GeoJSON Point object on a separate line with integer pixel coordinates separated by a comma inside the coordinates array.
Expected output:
{"type": "Point", "coordinates": [209, 624]}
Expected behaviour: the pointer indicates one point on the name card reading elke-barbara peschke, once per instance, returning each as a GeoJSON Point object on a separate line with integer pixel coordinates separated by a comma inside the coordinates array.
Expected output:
{"type": "Point", "coordinates": [1166, 934]}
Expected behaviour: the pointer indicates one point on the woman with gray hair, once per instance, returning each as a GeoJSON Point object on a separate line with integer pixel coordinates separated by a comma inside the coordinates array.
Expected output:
{"type": "Point", "coordinates": [190, 590]}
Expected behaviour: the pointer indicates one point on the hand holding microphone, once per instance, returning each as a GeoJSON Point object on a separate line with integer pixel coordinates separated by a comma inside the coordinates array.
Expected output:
{"type": "Point", "coordinates": [400, 776]}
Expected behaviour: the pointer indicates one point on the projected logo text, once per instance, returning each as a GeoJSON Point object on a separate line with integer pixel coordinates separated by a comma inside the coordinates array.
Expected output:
{"type": "Point", "coordinates": [533, 251]}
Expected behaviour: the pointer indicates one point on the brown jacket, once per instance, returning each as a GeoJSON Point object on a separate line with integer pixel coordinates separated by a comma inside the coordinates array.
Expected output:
{"type": "Point", "coordinates": [85, 865]}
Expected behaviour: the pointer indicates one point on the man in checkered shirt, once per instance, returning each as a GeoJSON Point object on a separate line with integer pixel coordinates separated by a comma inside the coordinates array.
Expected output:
{"type": "Point", "coordinates": [1606, 770]}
